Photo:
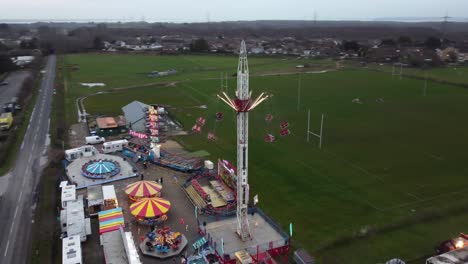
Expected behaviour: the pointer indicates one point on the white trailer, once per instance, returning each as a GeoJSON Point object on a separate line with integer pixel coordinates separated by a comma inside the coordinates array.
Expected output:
{"type": "Point", "coordinates": [68, 194]}
{"type": "Point", "coordinates": [84, 151]}
{"type": "Point", "coordinates": [71, 250]}
{"type": "Point", "coordinates": [113, 146]}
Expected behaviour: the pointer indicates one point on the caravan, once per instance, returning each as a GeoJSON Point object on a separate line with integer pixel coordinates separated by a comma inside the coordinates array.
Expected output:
{"type": "Point", "coordinates": [113, 146]}
{"type": "Point", "coordinates": [84, 151]}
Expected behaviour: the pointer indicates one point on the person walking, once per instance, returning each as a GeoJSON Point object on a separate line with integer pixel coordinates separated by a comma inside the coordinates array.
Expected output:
{"type": "Point", "coordinates": [161, 180]}
{"type": "Point", "coordinates": [142, 176]}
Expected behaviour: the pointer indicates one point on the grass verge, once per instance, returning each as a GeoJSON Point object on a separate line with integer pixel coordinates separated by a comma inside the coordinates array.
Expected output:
{"type": "Point", "coordinates": [46, 243]}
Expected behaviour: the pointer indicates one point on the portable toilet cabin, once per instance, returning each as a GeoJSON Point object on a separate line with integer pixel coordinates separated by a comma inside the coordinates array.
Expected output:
{"type": "Point", "coordinates": [113, 146]}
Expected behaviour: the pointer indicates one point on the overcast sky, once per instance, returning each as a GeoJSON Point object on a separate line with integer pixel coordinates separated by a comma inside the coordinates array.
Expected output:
{"type": "Point", "coordinates": [220, 10]}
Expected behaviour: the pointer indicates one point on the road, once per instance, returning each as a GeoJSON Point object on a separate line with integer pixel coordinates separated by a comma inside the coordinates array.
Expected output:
{"type": "Point", "coordinates": [18, 200]}
{"type": "Point", "coordinates": [15, 81]}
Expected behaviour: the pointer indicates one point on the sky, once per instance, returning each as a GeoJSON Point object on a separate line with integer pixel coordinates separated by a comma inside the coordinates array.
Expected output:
{"type": "Point", "coordinates": [228, 10]}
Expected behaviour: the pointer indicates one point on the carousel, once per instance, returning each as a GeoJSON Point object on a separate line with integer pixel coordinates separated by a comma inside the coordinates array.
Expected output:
{"type": "Point", "coordinates": [150, 211]}
{"type": "Point", "coordinates": [143, 189]}
{"type": "Point", "coordinates": [100, 169]}
{"type": "Point", "coordinates": [163, 243]}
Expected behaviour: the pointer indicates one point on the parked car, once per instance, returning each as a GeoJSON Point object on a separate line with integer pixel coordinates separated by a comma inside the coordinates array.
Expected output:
{"type": "Point", "coordinates": [3, 83]}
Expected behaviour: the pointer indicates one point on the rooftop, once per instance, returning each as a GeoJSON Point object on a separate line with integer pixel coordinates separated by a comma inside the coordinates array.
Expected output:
{"type": "Point", "coordinates": [113, 245]}
{"type": "Point", "coordinates": [68, 193]}
{"type": "Point", "coordinates": [71, 250]}
{"type": "Point", "coordinates": [106, 122]}
{"type": "Point", "coordinates": [75, 218]}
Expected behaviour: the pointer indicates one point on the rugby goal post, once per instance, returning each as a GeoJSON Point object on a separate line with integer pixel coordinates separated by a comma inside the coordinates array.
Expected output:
{"type": "Point", "coordinates": [319, 136]}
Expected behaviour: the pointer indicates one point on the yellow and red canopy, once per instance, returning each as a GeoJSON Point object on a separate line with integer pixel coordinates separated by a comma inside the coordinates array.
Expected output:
{"type": "Point", "coordinates": [150, 207]}
{"type": "Point", "coordinates": [143, 189]}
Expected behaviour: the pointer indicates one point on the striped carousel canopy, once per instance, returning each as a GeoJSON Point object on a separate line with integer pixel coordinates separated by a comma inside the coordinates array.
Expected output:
{"type": "Point", "coordinates": [143, 189]}
{"type": "Point", "coordinates": [150, 207]}
{"type": "Point", "coordinates": [100, 167]}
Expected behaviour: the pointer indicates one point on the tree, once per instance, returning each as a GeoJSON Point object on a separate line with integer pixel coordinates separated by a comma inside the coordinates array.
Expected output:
{"type": "Point", "coordinates": [3, 47]}
{"type": "Point", "coordinates": [4, 27]}
{"type": "Point", "coordinates": [350, 45]}
{"type": "Point", "coordinates": [6, 64]}
{"type": "Point", "coordinates": [405, 40]}
{"type": "Point", "coordinates": [98, 43]}
{"type": "Point", "coordinates": [31, 44]}
{"type": "Point", "coordinates": [433, 43]}
{"type": "Point", "coordinates": [452, 56]}
{"type": "Point", "coordinates": [199, 45]}
{"type": "Point", "coordinates": [388, 42]}
{"type": "Point", "coordinates": [416, 61]}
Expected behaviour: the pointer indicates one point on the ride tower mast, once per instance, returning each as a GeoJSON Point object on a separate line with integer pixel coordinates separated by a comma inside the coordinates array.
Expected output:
{"type": "Point", "coordinates": [242, 103]}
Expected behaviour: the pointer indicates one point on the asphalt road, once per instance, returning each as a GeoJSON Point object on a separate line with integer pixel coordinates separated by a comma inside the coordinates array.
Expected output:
{"type": "Point", "coordinates": [15, 81]}
{"type": "Point", "coordinates": [18, 200]}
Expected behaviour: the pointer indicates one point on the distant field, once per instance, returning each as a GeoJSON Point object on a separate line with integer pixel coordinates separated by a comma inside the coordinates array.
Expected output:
{"type": "Point", "coordinates": [124, 71]}
{"type": "Point", "coordinates": [451, 74]}
{"type": "Point", "coordinates": [394, 164]}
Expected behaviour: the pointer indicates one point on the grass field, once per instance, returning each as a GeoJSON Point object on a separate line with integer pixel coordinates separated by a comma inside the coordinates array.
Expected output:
{"type": "Point", "coordinates": [123, 71]}
{"type": "Point", "coordinates": [451, 74]}
{"type": "Point", "coordinates": [390, 172]}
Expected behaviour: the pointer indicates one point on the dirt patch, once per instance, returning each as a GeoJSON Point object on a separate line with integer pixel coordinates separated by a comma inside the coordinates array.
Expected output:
{"type": "Point", "coordinates": [173, 147]}
{"type": "Point", "coordinates": [77, 134]}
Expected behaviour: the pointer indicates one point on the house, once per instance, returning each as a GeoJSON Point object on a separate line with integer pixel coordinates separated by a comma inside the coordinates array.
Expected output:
{"type": "Point", "coordinates": [383, 54]}
{"type": "Point", "coordinates": [448, 55]}
{"type": "Point", "coordinates": [135, 116]}
{"type": "Point", "coordinates": [257, 50]}
{"type": "Point", "coordinates": [109, 126]}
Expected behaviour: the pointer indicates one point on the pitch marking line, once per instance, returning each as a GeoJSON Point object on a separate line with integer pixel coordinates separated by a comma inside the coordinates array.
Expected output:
{"type": "Point", "coordinates": [6, 249]}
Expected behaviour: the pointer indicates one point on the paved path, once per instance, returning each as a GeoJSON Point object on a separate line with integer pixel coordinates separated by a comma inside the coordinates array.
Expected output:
{"type": "Point", "coordinates": [19, 198]}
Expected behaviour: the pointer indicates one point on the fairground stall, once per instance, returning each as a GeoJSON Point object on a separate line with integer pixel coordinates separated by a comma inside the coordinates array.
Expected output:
{"type": "Point", "coordinates": [214, 192]}
{"type": "Point", "coordinates": [110, 220]}
{"type": "Point", "coordinates": [95, 199]}
{"type": "Point", "coordinates": [150, 211]}
{"type": "Point", "coordinates": [109, 196]}
{"type": "Point", "coordinates": [143, 189]}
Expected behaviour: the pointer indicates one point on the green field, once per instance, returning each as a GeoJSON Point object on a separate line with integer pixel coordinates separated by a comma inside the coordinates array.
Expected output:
{"type": "Point", "coordinates": [388, 182]}
{"type": "Point", "coordinates": [123, 71]}
{"type": "Point", "coordinates": [451, 74]}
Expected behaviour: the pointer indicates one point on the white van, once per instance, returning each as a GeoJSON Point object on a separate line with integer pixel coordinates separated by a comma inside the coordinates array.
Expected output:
{"type": "Point", "coordinates": [113, 146]}
{"type": "Point", "coordinates": [94, 140]}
